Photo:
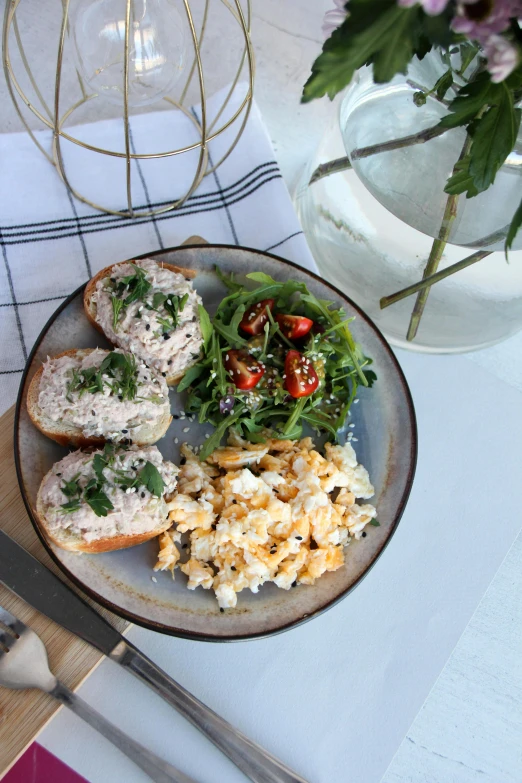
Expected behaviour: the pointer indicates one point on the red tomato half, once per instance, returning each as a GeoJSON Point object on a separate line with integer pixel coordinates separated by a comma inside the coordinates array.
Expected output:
{"type": "Point", "coordinates": [245, 371]}
{"type": "Point", "coordinates": [255, 318]}
{"type": "Point", "coordinates": [294, 326]}
{"type": "Point", "coordinates": [301, 378]}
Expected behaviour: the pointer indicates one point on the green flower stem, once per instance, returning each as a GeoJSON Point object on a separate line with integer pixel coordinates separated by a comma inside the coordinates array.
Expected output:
{"type": "Point", "coordinates": [437, 249]}
{"type": "Point", "coordinates": [342, 164]}
{"type": "Point", "coordinates": [386, 301]}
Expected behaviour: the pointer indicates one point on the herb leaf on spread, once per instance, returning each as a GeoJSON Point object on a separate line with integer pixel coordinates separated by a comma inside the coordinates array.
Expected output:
{"type": "Point", "coordinates": [264, 407]}
{"type": "Point", "coordinates": [150, 477]}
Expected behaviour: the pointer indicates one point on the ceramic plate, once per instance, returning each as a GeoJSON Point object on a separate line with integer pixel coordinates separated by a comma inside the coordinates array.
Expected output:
{"type": "Point", "coordinates": [122, 581]}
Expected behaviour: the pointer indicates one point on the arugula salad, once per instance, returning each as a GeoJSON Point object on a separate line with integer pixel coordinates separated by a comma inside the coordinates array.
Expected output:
{"type": "Point", "coordinates": [275, 358]}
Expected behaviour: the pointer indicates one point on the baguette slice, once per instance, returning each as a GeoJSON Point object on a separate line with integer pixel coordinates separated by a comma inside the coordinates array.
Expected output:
{"type": "Point", "coordinates": [90, 305]}
{"type": "Point", "coordinates": [68, 435]}
{"type": "Point", "coordinates": [65, 539]}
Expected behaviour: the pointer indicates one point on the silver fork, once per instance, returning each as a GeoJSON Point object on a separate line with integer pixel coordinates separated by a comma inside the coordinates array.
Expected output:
{"type": "Point", "coordinates": [24, 664]}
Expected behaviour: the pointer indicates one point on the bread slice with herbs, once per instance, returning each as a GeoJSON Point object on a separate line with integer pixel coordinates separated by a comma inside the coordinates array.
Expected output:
{"type": "Point", "coordinates": [150, 309]}
{"type": "Point", "coordinates": [107, 499]}
{"type": "Point", "coordinates": [84, 397]}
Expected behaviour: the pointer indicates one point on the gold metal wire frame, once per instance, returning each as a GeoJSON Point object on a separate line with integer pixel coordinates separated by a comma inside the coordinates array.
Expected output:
{"type": "Point", "coordinates": [55, 120]}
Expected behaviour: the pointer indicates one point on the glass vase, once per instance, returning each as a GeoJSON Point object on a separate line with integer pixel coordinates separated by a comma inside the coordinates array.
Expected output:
{"type": "Point", "coordinates": [371, 227]}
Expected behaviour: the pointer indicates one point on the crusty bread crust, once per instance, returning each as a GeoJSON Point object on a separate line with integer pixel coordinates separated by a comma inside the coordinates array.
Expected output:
{"type": "Point", "coordinates": [99, 545]}
{"type": "Point", "coordinates": [72, 436]}
{"type": "Point", "coordinates": [90, 306]}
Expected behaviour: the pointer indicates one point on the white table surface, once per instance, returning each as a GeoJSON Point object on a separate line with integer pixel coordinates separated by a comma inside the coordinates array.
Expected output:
{"type": "Point", "coordinates": [469, 727]}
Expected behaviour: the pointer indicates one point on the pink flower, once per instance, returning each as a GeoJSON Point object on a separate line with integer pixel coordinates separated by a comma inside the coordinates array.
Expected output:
{"type": "Point", "coordinates": [495, 22]}
{"type": "Point", "coordinates": [503, 57]}
{"type": "Point", "coordinates": [334, 18]}
{"type": "Point", "coordinates": [431, 7]}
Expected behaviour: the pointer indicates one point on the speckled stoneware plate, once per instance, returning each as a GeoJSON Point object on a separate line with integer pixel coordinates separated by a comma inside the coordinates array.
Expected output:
{"type": "Point", "coordinates": [387, 445]}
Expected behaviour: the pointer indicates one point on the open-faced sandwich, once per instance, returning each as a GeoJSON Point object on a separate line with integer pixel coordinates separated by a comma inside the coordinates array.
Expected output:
{"type": "Point", "coordinates": [85, 397]}
{"type": "Point", "coordinates": [149, 309]}
{"type": "Point", "coordinates": [108, 499]}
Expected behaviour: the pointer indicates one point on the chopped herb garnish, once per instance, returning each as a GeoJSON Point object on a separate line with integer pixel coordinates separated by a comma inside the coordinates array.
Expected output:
{"type": "Point", "coordinates": [121, 371]}
{"type": "Point", "coordinates": [117, 306]}
{"type": "Point", "coordinates": [375, 522]}
{"type": "Point", "coordinates": [97, 500]}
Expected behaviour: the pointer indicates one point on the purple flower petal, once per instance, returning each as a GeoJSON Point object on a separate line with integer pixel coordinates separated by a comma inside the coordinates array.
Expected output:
{"type": "Point", "coordinates": [503, 57]}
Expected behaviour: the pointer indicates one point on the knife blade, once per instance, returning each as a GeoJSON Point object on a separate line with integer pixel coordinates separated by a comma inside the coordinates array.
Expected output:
{"type": "Point", "coordinates": [32, 581]}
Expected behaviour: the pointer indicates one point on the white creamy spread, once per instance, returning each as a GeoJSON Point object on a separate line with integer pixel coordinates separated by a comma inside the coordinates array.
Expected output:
{"type": "Point", "coordinates": [135, 512]}
{"type": "Point", "coordinates": [139, 331]}
{"type": "Point", "coordinates": [102, 413]}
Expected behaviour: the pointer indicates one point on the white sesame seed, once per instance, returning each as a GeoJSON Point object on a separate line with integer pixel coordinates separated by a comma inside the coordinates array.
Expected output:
{"type": "Point", "coordinates": [186, 429]}
{"type": "Point", "coordinates": [355, 439]}
{"type": "Point", "coordinates": [356, 401]}
{"type": "Point", "coordinates": [140, 308]}
{"type": "Point", "coordinates": [154, 579]}
{"type": "Point", "coordinates": [270, 356]}
{"type": "Point", "coordinates": [351, 425]}
{"type": "Point", "coordinates": [226, 358]}
{"type": "Point", "coordinates": [207, 436]}
{"type": "Point", "coordinates": [176, 440]}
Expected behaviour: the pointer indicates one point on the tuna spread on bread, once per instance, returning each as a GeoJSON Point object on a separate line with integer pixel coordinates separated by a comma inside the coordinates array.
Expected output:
{"type": "Point", "coordinates": [108, 492]}
{"type": "Point", "coordinates": [105, 394]}
{"type": "Point", "coordinates": [152, 312]}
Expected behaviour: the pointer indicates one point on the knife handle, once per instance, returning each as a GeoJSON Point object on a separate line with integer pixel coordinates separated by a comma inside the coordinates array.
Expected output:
{"type": "Point", "coordinates": [157, 769]}
{"type": "Point", "coordinates": [256, 763]}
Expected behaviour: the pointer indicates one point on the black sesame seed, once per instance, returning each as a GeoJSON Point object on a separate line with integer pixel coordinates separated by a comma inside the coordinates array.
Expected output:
{"type": "Point", "coordinates": [58, 474]}
{"type": "Point", "coordinates": [125, 431]}
{"type": "Point", "coordinates": [294, 584]}
{"type": "Point", "coordinates": [164, 374]}
{"type": "Point", "coordinates": [147, 327]}
{"type": "Point", "coordinates": [234, 500]}
{"type": "Point", "coordinates": [120, 397]}
{"type": "Point", "coordinates": [182, 461]}
{"type": "Point", "coordinates": [169, 361]}
{"type": "Point", "coordinates": [194, 318]}
{"type": "Point", "coordinates": [299, 538]}
{"type": "Point", "coordinates": [195, 355]}
{"type": "Point", "coordinates": [232, 568]}
{"type": "Point", "coordinates": [166, 336]}
{"type": "Point", "coordinates": [188, 335]}
{"type": "Point", "coordinates": [175, 416]}
{"type": "Point", "coordinates": [143, 494]}
{"type": "Point", "coordinates": [221, 610]}
{"type": "Point", "coordinates": [93, 413]}
{"type": "Point", "coordinates": [184, 546]}
{"type": "Point", "coordinates": [364, 535]}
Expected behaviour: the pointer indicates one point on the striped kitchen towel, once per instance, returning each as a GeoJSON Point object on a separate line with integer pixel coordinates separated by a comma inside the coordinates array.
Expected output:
{"type": "Point", "coordinates": [52, 242]}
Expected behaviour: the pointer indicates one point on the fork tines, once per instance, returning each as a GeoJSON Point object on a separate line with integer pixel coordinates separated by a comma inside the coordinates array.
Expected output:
{"type": "Point", "coordinates": [10, 630]}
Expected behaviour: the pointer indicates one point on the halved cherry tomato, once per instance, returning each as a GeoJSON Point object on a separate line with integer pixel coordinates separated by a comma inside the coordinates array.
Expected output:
{"type": "Point", "coordinates": [255, 318]}
{"type": "Point", "coordinates": [301, 378]}
{"type": "Point", "coordinates": [245, 371]}
{"type": "Point", "coordinates": [294, 326]}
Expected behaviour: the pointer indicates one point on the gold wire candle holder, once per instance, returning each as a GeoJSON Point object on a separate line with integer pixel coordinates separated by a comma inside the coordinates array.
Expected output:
{"type": "Point", "coordinates": [52, 115]}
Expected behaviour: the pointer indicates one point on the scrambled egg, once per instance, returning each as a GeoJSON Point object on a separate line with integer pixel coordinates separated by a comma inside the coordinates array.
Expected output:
{"type": "Point", "coordinates": [273, 512]}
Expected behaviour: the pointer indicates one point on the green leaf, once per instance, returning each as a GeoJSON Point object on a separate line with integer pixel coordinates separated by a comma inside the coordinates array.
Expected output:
{"type": "Point", "coordinates": [72, 487]}
{"type": "Point", "coordinates": [375, 522]}
{"type": "Point", "coordinates": [437, 28]}
{"type": "Point", "coordinates": [468, 52]}
{"type": "Point", "coordinates": [190, 376]}
{"type": "Point", "coordinates": [470, 100]}
{"type": "Point", "coordinates": [494, 137]}
{"type": "Point", "coordinates": [513, 228]}
{"type": "Point", "coordinates": [443, 84]}
{"type": "Point", "coordinates": [117, 306]}
{"type": "Point", "coordinates": [228, 280]}
{"type": "Point", "coordinates": [158, 299]}
{"type": "Point", "coordinates": [215, 439]}
{"type": "Point", "coordinates": [380, 31]}
{"type": "Point", "coordinates": [461, 180]}
{"type": "Point", "coordinates": [261, 277]}
{"type": "Point", "coordinates": [71, 505]}
{"type": "Point", "coordinates": [98, 464]}
{"type": "Point", "coordinates": [98, 501]}
{"type": "Point", "coordinates": [205, 324]}
{"type": "Point", "coordinates": [150, 477]}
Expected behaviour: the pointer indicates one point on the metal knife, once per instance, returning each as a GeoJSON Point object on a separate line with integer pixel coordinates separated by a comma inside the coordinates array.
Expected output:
{"type": "Point", "coordinates": [38, 586]}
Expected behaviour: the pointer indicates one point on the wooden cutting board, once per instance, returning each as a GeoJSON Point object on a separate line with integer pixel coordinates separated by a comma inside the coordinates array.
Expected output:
{"type": "Point", "coordinates": [23, 714]}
